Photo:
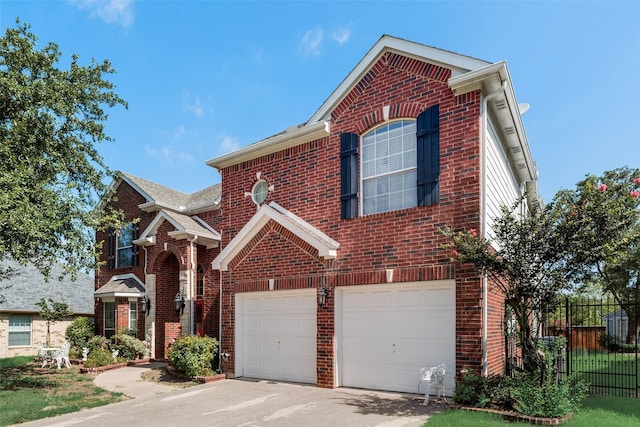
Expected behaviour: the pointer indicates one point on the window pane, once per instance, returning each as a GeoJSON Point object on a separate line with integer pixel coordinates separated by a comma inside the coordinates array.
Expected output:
{"type": "Point", "coordinates": [109, 319]}
{"type": "Point", "coordinates": [133, 317]}
{"type": "Point", "coordinates": [125, 246]}
{"type": "Point", "coordinates": [389, 167]}
{"type": "Point", "coordinates": [19, 330]}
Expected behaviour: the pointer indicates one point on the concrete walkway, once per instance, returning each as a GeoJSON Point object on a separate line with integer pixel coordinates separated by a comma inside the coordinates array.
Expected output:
{"type": "Point", "coordinates": [128, 380]}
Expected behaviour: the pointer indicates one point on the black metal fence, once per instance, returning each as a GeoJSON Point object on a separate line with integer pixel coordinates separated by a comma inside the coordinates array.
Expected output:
{"type": "Point", "coordinates": [603, 343]}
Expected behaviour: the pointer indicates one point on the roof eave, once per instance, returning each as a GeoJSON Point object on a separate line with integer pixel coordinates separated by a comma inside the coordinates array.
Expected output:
{"type": "Point", "coordinates": [271, 145]}
{"type": "Point", "coordinates": [504, 106]}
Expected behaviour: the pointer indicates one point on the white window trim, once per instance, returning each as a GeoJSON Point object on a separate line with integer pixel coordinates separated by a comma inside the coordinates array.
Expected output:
{"type": "Point", "coordinates": [30, 331]}
{"type": "Point", "coordinates": [362, 179]}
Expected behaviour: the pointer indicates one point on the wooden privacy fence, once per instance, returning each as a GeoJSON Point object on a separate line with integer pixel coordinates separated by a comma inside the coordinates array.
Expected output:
{"type": "Point", "coordinates": [582, 337]}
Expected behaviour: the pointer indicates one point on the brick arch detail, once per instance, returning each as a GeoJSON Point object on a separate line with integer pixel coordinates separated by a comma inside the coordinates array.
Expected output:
{"type": "Point", "coordinates": [158, 258]}
{"type": "Point", "coordinates": [396, 111]}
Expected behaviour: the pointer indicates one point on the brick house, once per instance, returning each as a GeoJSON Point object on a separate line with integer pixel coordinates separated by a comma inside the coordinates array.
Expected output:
{"type": "Point", "coordinates": [325, 240]}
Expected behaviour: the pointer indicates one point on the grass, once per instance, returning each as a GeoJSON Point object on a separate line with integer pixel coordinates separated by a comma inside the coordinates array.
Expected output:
{"type": "Point", "coordinates": [608, 373]}
{"type": "Point", "coordinates": [596, 412]}
{"type": "Point", "coordinates": [28, 392]}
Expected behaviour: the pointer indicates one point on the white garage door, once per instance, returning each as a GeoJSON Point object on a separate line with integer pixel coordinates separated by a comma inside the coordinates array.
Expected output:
{"type": "Point", "coordinates": [276, 335]}
{"type": "Point", "coordinates": [389, 332]}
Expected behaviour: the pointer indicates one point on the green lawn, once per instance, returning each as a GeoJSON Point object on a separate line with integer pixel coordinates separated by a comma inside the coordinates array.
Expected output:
{"type": "Point", "coordinates": [597, 412]}
{"type": "Point", "coordinates": [28, 392]}
{"type": "Point", "coordinates": [608, 373]}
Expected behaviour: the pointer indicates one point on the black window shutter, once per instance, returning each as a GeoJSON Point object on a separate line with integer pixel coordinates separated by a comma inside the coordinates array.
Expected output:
{"type": "Point", "coordinates": [349, 175]}
{"type": "Point", "coordinates": [111, 249]}
{"type": "Point", "coordinates": [428, 146]}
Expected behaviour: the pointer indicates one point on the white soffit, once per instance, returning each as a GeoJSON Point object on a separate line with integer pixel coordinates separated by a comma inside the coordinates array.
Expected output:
{"type": "Point", "coordinates": [326, 246]}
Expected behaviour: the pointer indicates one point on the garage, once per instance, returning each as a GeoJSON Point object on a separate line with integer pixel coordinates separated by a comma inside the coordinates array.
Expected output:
{"type": "Point", "coordinates": [276, 335]}
{"type": "Point", "coordinates": [386, 333]}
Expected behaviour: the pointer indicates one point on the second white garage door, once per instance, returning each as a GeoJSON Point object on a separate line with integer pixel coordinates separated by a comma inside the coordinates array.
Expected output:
{"type": "Point", "coordinates": [388, 332]}
{"type": "Point", "coordinates": [276, 335]}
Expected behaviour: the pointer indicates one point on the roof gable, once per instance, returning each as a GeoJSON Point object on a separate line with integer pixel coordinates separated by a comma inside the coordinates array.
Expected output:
{"type": "Point", "coordinates": [186, 227]}
{"type": "Point", "coordinates": [326, 246]}
{"type": "Point", "coordinates": [123, 285]}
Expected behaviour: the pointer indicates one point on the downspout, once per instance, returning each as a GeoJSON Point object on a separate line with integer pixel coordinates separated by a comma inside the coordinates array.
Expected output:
{"type": "Point", "coordinates": [483, 213]}
{"type": "Point", "coordinates": [191, 290]}
{"type": "Point", "coordinates": [220, 350]}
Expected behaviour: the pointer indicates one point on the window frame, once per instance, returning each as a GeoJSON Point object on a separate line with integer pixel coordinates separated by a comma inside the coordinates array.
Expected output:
{"type": "Point", "coordinates": [104, 318]}
{"type": "Point", "coordinates": [403, 171]}
{"type": "Point", "coordinates": [129, 231]}
{"type": "Point", "coordinates": [199, 281]}
{"type": "Point", "coordinates": [133, 316]}
{"type": "Point", "coordinates": [19, 330]}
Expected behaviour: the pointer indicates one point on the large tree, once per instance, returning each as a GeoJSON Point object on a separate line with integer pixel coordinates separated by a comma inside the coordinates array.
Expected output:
{"type": "Point", "coordinates": [522, 263]}
{"type": "Point", "coordinates": [51, 174]}
{"type": "Point", "coordinates": [599, 221]}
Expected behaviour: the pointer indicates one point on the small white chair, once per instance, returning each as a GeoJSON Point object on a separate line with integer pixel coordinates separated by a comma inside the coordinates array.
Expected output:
{"type": "Point", "coordinates": [433, 375]}
{"type": "Point", "coordinates": [44, 356]}
{"type": "Point", "coordinates": [62, 356]}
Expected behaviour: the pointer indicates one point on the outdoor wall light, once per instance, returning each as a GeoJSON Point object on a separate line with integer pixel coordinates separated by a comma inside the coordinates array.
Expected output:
{"type": "Point", "coordinates": [322, 295]}
{"type": "Point", "coordinates": [145, 304]}
{"type": "Point", "coordinates": [178, 303]}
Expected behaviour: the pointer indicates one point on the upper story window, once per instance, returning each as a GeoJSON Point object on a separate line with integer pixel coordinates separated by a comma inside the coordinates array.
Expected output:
{"type": "Point", "coordinates": [400, 164]}
{"type": "Point", "coordinates": [122, 252]}
{"type": "Point", "coordinates": [389, 173]}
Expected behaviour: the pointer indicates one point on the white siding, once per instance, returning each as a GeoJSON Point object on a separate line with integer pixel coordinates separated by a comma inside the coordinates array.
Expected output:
{"type": "Point", "coordinates": [501, 185]}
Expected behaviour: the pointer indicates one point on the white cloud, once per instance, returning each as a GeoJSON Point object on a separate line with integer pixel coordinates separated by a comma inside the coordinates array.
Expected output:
{"type": "Point", "coordinates": [310, 43]}
{"type": "Point", "coordinates": [192, 104]}
{"type": "Point", "coordinates": [110, 11]}
{"type": "Point", "coordinates": [179, 132]}
{"type": "Point", "coordinates": [229, 144]}
{"type": "Point", "coordinates": [341, 36]}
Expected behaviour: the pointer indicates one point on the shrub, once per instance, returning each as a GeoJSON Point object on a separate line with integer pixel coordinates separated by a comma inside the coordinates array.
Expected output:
{"type": "Point", "coordinates": [477, 391]}
{"type": "Point", "coordinates": [610, 342]}
{"type": "Point", "coordinates": [549, 399]}
{"type": "Point", "coordinates": [192, 355]}
{"type": "Point", "coordinates": [98, 358]}
{"type": "Point", "coordinates": [98, 342]}
{"type": "Point", "coordinates": [78, 333]}
{"type": "Point", "coordinates": [129, 348]}
{"type": "Point", "coordinates": [544, 394]}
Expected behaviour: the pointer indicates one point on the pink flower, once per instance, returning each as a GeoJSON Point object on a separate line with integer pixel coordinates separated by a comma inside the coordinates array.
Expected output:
{"type": "Point", "coordinates": [473, 232]}
{"type": "Point", "coordinates": [635, 194]}
{"type": "Point", "coordinates": [454, 252]}
{"type": "Point", "coordinates": [574, 213]}
{"type": "Point", "coordinates": [603, 187]}
{"type": "Point", "coordinates": [637, 180]}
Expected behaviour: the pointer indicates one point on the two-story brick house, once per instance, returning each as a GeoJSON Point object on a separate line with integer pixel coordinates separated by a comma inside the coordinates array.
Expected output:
{"type": "Point", "coordinates": [330, 264]}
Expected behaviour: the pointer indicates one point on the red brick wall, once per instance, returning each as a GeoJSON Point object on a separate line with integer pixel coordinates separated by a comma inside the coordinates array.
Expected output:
{"type": "Point", "coordinates": [306, 181]}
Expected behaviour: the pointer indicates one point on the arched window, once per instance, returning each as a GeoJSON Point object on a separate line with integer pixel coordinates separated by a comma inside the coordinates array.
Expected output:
{"type": "Point", "coordinates": [200, 282]}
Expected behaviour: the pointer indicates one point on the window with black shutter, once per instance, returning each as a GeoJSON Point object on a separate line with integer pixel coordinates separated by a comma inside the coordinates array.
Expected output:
{"type": "Point", "coordinates": [349, 175]}
{"type": "Point", "coordinates": [428, 146]}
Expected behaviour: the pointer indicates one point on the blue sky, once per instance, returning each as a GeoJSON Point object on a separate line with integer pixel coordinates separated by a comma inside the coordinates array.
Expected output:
{"type": "Point", "coordinates": [205, 77]}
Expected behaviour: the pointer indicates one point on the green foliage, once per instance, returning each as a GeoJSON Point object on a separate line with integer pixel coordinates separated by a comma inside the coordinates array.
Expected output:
{"type": "Point", "coordinates": [550, 399]}
{"type": "Point", "coordinates": [616, 345]}
{"type": "Point", "coordinates": [477, 391]}
{"type": "Point", "coordinates": [97, 358]}
{"type": "Point", "coordinates": [57, 312]}
{"type": "Point", "coordinates": [129, 348]}
{"type": "Point", "coordinates": [51, 174]}
{"type": "Point", "coordinates": [523, 264]}
{"type": "Point", "coordinates": [98, 342]}
{"type": "Point", "coordinates": [79, 332]}
{"type": "Point", "coordinates": [599, 224]}
{"type": "Point", "coordinates": [192, 355]}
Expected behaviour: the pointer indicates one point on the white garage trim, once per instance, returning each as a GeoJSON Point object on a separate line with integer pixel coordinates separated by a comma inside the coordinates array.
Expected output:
{"type": "Point", "coordinates": [275, 335]}
{"type": "Point", "coordinates": [386, 333]}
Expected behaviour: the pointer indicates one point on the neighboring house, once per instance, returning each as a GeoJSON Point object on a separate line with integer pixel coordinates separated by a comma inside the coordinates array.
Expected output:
{"type": "Point", "coordinates": [325, 245]}
{"type": "Point", "coordinates": [617, 325]}
{"type": "Point", "coordinates": [167, 238]}
{"type": "Point", "coordinates": [22, 329]}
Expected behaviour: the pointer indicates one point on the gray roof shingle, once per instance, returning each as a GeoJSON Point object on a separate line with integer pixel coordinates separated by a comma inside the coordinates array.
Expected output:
{"type": "Point", "coordinates": [24, 290]}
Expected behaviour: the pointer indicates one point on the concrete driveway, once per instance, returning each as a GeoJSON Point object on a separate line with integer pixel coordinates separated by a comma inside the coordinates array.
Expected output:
{"type": "Point", "coordinates": [242, 402]}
